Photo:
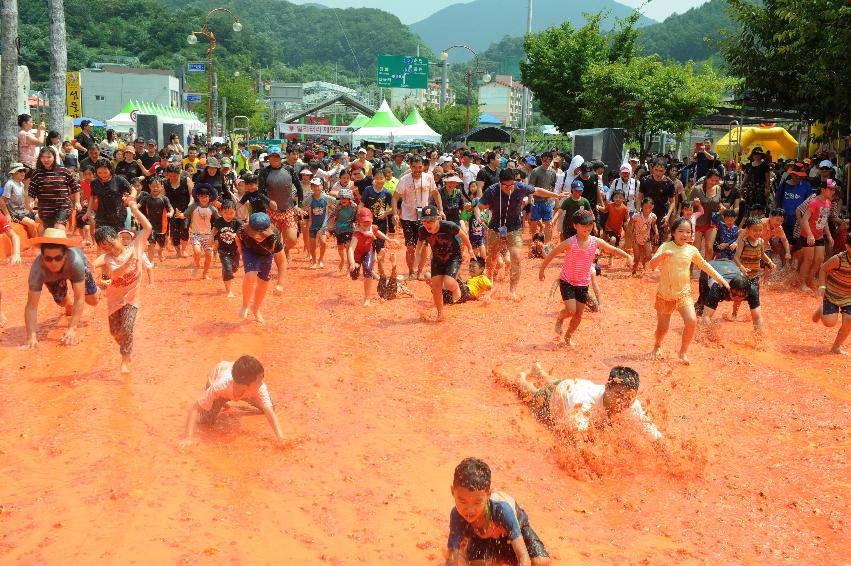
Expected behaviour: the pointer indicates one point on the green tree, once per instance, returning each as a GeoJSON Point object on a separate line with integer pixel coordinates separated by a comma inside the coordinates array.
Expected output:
{"type": "Point", "coordinates": [559, 58]}
{"type": "Point", "coordinates": [243, 101]}
{"type": "Point", "coordinates": [646, 96]}
{"type": "Point", "coordinates": [793, 55]}
{"type": "Point", "coordinates": [449, 122]}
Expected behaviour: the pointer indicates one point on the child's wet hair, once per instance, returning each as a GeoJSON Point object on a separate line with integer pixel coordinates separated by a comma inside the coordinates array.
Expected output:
{"type": "Point", "coordinates": [104, 233]}
{"type": "Point", "coordinates": [740, 284]}
{"type": "Point", "coordinates": [228, 205]}
{"type": "Point", "coordinates": [246, 369]}
{"type": "Point", "coordinates": [688, 204]}
{"type": "Point", "coordinates": [472, 474]}
{"type": "Point", "coordinates": [752, 221]}
{"type": "Point", "coordinates": [647, 200]}
{"type": "Point", "coordinates": [479, 261]}
{"type": "Point", "coordinates": [730, 213]}
{"type": "Point", "coordinates": [777, 212]}
{"type": "Point", "coordinates": [157, 180]}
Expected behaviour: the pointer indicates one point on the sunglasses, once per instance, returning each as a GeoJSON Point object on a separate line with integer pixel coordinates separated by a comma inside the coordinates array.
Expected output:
{"type": "Point", "coordinates": [52, 258]}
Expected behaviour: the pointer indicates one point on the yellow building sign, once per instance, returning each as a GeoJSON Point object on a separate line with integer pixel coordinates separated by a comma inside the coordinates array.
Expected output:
{"type": "Point", "coordinates": [74, 96]}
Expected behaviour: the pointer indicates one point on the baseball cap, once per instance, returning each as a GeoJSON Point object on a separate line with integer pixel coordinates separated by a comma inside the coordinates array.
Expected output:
{"type": "Point", "coordinates": [530, 159]}
{"type": "Point", "coordinates": [139, 140]}
{"type": "Point", "coordinates": [356, 167]}
{"type": "Point", "coordinates": [152, 141]}
{"type": "Point", "coordinates": [226, 162]}
{"type": "Point", "coordinates": [624, 376]}
{"type": "Point", "coordinates": [274, 150]}
{"type": "Point", "coordinates": [306, 171]}
{"type": "Point", "coordinates": [346, 194]}
{"type": "Point", "coordinates": [577, 185]}
{"type": "Point", "coordinates": [825, 164]}
{"type": "Point", "coordinates": [364, 214]}
{"type": "Point", "coordinates": [259, 221]}
{"type": "Point", "coordinates": [431, 212]}
{"type": "Point", "coordinates": [212, 162]}
{"type": "Point", "coordinates": [361, 150]}
{"type": "Point", "coordinates": [583, 216]}
{"type": "Point", "coordinates": [85, 123]}
{"type": "Point", "coordinates": [730, 177]}
{"type": "Point", "coordinates": [797, 169]}
{"type": "Point", "coordinates": [452, 179]}
{"type": "Point", "coordinates": [316, 181]}
{"type": "Point", "coordinates": [585, 167]}
{"type": "Point", "coordinates": [626, 169]}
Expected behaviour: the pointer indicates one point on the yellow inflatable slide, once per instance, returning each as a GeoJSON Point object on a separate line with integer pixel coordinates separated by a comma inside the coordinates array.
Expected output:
{"type": "Point", "coordinates": [775, 139]}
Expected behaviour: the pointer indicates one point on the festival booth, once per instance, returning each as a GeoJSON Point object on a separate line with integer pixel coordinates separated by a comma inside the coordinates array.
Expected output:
{"type": "Point", "coordinates": [382, 128]}
{"type": "Point", "coordinates": [604, 144]}
{"type": "Point", "coordinates": [415, 130]}
{"type": "Point", "coordinates": [775, 139]}
{"type": "Point", "coordinates": [359, 122]}
{"type": "Point", "coordinates": [155, 121]}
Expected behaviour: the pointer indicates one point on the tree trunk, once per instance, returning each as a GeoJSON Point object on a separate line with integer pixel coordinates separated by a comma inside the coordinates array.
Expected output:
{"type": "Point", "coordinates": [9, 86]}
{"type": "Point", "coordinates": [58, 65]}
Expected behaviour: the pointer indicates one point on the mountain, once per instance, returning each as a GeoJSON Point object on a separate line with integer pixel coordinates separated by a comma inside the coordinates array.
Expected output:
{"type": "Point", "coordinates": [289, 42]}
{"type": "Point", "coordinates": [692, 35]}
{"type": "Point", "coordinates": [483, 22]}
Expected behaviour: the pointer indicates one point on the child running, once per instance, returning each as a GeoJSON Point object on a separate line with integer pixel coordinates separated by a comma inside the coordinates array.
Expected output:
{"type": "Point", "coordinates": [201, 215]}
{"type": "Point", "coordinates": [644, 232]}
{"type": "Point", "coordinates": [233, 381]}
{"type": "Point", "coordinates": [362, 254]}
{"type": "Point", "coordinates": [225, 242]}
{"type": "Point", "coordinates": [496, 529]}
{"type": "Point", "coordinates": [259, 241]}
{"type": "Point", "coordinates": [342, 223]}
{"type": "Point", "coordinates": [157, 209]}
{"type": "Point", "coordinates": [580, 251]}
{"type": "Point", "coordinates": [316, 204]}
{"type": "Point", "coordinates": [123, 264]}
{"type": "Point", "coordinates": [674, 293]}
{"type": "Point", "coordinates": [835, 287]}
{"type": "Point", "coordinates": [445, 239]}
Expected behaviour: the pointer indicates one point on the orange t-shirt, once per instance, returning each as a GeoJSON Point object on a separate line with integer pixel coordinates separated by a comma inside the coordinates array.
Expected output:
{"type": "Point", "coordinates": [617, 217]}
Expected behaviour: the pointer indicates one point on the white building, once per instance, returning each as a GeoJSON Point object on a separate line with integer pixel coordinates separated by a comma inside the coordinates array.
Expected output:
{"type": "Point", "coordinates": [23, 90]}
{"type": "Point", "coordinates": [503, 98]}
{"type": "Point", "coordinates": [106, 90]}
{"type": "Point", "coordinates": [407, 98]}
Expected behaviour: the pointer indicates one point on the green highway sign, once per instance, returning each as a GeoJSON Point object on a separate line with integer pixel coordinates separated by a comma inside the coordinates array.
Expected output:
{"type": "Point", "coordinates": [399, 71]}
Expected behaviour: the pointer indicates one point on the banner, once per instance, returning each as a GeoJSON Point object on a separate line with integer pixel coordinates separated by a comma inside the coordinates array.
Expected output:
{"type": "Point", "coordinates": [73, 95]}
{"type": "Point", "coordinates": [312, 129]}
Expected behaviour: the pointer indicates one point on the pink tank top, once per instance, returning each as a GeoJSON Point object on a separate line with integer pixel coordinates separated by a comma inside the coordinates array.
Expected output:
{"type": "Point", "coordinates": [577, 263]}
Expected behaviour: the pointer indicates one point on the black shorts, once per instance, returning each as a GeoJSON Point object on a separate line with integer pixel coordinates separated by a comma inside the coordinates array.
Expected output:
{"type": "Point", "coordinates": [343, 238]}
{"type": "Point", "coordinates": [500, 551]}
{"type": "Point", "coordinates": [802, 241]}
{"type": "Point", "coordinates": [448, 268]}
{"type": "Point", "coordinates": [572, 292]}
{"type": "Point", "coordinates": [158, 239]}
{"type": "Point", "coordinates": [711, 294]}
{"type": "Point", "coordinates": [411, 228]}
{"type": "Point", "coordinates": [540, 403]}
{"type": "Point", "coordinates": [53, 217]}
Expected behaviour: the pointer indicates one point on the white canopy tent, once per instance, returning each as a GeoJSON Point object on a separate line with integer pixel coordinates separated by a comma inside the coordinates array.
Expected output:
{"type": "Point", "coordinates": [382, 128]}
{"type": "Point", "coordinates": [414, 129]}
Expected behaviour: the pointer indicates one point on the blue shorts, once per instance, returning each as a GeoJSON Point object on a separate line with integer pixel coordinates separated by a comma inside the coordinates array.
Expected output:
{"type": "Point", "coordinates": [366, 261]}
{"type": "Point", "coordinates": [59, 289]}
{"type": "Point", "coordinates": [261, 264]}
{"type": "Point", "coordinates": [542, 211]}
{"type": "Point", "coordinates": [827, 308]}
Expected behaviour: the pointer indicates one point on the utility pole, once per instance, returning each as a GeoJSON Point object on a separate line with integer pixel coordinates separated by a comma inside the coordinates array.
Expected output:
{"type": "Point", "coordinates": [58, 65]}
{"type": "Point", "coordinates": [215, 101]}
{"type": "Point", "coordinates": [525, 108]}
{"type": "Point", "coordinates": [225, 116]}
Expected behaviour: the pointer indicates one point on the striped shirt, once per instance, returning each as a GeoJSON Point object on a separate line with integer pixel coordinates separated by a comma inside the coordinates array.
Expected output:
{"type": "Point", "coordinates": [751, 257]}
{"type": "Point", "coordinates": [53, 189]}
{"type": "Point", "coordinates": [577, 262]}
{"type": "Point", "coordinates": [838, 282]}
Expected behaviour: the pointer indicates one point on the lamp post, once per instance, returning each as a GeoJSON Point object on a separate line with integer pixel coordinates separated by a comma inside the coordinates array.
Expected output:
{"type": "Point", "coordinates": [192, 39]}
{"type": "Point", "coordinates": [468, 77]}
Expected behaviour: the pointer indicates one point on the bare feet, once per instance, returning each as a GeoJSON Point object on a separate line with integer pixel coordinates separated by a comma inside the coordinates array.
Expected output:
{"type": "Point", "coordinates": [366, 303]}
{"type": "Point", "coordinates": [559, 327]}
{"type": "Point", "coordinates": [441, 317]}
{"type": "Point", "coordinates": [684, 358]}
{"type": "Point", "coordinates": [3, 320]}
{"type": "Point", "coordinates": [243, 312]}
{"type": "Point", "coordinates": [125, 367]}
{"type": "Point", "coordinates": [257, 316]}
{"type": "Point", "coordinates": [314, 265]}
{"type": "Point", "coordinates": [279, 290]}
{"type": "Point", "coordinates": [656, 353]}
{"type": "Point", "coordinates": [206, 277]}
{"type": "Point", "coordinates": [568, 340]}
{"type": "Point", "coordinates": [321, 264]}
{"type": "Point", "coordinates": [231, 295]}
{"type": "Point", "coordinates": [817, 315]}
{"type": "Point", "coordinates": [839, 350]}
{"type": "Point", "coordinates": [514, 296]}
{"type": "Point", "coordinates": [195, 271]}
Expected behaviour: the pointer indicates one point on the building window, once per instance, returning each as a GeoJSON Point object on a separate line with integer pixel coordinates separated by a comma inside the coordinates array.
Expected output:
{"type": "Point", "coordinates": [97, 97]}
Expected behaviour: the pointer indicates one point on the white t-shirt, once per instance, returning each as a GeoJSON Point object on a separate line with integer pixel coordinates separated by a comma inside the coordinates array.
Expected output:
{"type": "Point", "coordinates": [220, 386]}
{"type": "Point", "coordinates": [414, 193]}
{"type": "Point", "coordinates": [576, 402]}
{"type": "Point", "coordinates": [14, 193]}
{"type": "Point", "coordinates": [468, 174]}
{"type": "Point", "coordinates": [125, 272]}
{"type": "Point", "coordinates": [630, 189]}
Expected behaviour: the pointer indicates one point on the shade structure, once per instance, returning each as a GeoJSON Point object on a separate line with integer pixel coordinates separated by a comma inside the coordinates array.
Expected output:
{"type": "Point", "coordinates": [415, 129]}
{"type": "Point", "coordinates": [381, 128]}
{"type": "Point", "coordinates": [95, 123]}
{"type": "Point", "coordinates": [359, 122]}
{"type": "Point", "coordinates": [486, 133]}
{"type": "Point", "coordinates": [603, 144]}
{"type": "Point", "coordinates": [489, 119]}
{"type": "Point", "coordinates": [123, 121]}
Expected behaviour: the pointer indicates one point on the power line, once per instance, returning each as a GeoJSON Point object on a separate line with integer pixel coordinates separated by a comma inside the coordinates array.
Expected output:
{"type": "Point", "coordinates": [346, 36]}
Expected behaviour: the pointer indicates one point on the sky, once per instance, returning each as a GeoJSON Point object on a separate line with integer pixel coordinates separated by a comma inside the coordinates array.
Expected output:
{"type": "Point", "coordinates": [410, 12]}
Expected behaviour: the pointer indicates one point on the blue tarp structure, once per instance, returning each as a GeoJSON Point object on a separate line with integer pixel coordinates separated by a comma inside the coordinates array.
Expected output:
{"type": "Point", "coordinates": [95, 123]}
{"type": "Point", "coordinates": [489, 119]}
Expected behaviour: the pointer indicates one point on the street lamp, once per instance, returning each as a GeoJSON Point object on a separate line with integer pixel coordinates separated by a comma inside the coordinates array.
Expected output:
{"type": "Point", "coordinates": [192, 39]}
{"type": "Point", "coordinates": [468, 77]}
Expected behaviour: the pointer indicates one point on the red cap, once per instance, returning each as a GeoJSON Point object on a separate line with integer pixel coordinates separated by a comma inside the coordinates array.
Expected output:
{"type": "Point", "coordinates": [364, 214]}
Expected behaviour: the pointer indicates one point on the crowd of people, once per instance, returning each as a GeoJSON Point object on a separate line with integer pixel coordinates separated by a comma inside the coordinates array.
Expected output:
{"type": "Point", "coordinates": [101, 215]}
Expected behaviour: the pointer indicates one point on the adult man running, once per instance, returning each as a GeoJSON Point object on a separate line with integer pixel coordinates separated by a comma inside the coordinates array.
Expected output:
{"type": "Point", "coordinates": [276, 181]}
{"type": "Point", "coordinates": [60, 260]}
{"type": "Point", "coordinates": [414, 191]}
{"type": "Point", "coordinates": [505, 199]}
{"type": "Point", "coordinates": [542, 208]}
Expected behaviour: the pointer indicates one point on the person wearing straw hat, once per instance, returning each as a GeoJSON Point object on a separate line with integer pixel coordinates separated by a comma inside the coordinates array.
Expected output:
{"type": "Point", "coordinates": [61, 260]}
